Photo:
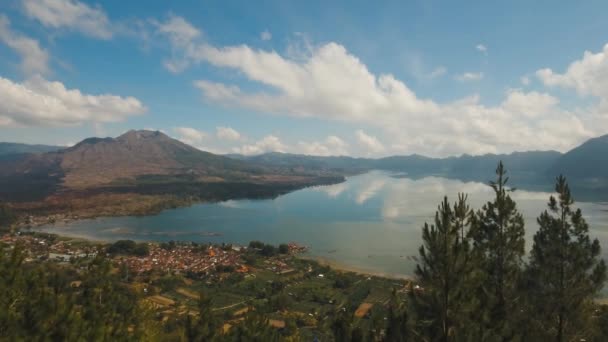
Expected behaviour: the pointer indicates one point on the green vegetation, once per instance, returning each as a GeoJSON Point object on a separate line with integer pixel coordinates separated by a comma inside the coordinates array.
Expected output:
{"type": "Point", "coordinates": [7, 216]}
{"type": "Point", "coordinates": [129, 247]}
{"type": "Point", "coordinates": [473, 283]}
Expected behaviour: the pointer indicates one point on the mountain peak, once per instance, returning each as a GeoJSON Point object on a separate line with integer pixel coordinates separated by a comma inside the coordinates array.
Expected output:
{"type": "Point", "coordinates": [141, 134]}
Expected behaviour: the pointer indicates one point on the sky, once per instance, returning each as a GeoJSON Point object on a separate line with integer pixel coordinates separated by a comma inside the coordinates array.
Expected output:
{"type": "Point", "coordinates": [359, 78]}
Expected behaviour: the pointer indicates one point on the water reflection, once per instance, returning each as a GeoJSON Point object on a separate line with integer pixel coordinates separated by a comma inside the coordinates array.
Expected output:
{"type": "Point", "coordinates": [371, 222]}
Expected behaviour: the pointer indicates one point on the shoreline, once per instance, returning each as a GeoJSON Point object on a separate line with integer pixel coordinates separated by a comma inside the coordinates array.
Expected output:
{"type": "Point", "coordinates": [323, 261]}
{"type": "Point", "coordinates": [338, 266]}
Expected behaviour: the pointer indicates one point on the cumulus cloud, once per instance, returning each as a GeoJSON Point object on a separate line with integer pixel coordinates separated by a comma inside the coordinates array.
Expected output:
{"type": "Point", "coordinates": [329, 83]}
{"type": "Point", "coordinates": [369, 143]}
{"type": "Point", "coordinates": [190, 136]}
{"type": "Point", "coordinates": [470, 76]}
{"type": "Point", "coordinates": [588, 75]}
{"type": "Point", "coordinates": [178, 30]}
{"type": "Point", "coordinates": [70, 14]}
{"type": "Point", "coordinates": [482, 48]}
{"type": "Point", "coordinates": [269, 143]}
{"type": "Point", "coordinates": [331, 146]}
{"type": "Point", "coordinates": [34, 58]}
{"type": "Point", "coordinates": [38, 102]}
{"type": "Point", "coordinates": [227, 133]}
{"type": "Point", "coordinates": [265, 35]}
{"type": "Point", "coordinates": [525, 80]}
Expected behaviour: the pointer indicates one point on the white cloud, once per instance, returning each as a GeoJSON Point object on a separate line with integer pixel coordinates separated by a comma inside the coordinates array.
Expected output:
{"type": "Point", "coordinates": [329, 83]}
{"type": "Point", "coordinates": [530, 104]}
{"type": "Point", "coordinates": [470, 76]}
{"type": "Point", "coordinates": [482, 48]}
{"type": "Point", "coordinates": [181, 35]}
{"type": "Point", "coordinates": [332, 146]}
{"type": "Point", "coordinates": [70, 14]}
{"type": "Point", "coordinates": [38, 102]}
{"type": "Point", "coordinates": [190, 136]}
{"type": "Point", "coordinates": [269, 143]}
{"type": "Point", "coordinates": [227, 133]}
{"type": "Point", "coordinates": [370, 190]}
{"type": "Point", "coordinates": [588, 75]}
{"type": "Point", "coordinates": [265, 35]}
{"type": "Point", "coordinates": [525, 80]}
{"type": "Point", "coordinates": [369, 143]}
{"type": "Point", "coordinates": [437, 72]}
{"type": "Point", "coordinates": [178, 30]}
{"type": "Point", "coordinates": [34, 58]}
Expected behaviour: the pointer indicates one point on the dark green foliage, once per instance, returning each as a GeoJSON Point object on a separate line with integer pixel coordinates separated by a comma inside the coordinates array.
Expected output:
{"type": "Point", "coordinates": [497, 236]}
{"type": "Point", "coordinates": [7, 216]}
{"type": "Point", "coordinates": [256, 244]}
{"type": "Point", "coordinates": [397, 329]}
{"type": "Point", "coordinates": [343, 281]}
{"type": "Point", "coordinates": [342, 325]}
{"type": "Point", "coordinates": [565, 271]}
{"type": "Point", "coordinates": [283, 248]}
{"type": "Point", "coordinates": [268, 250]}
{"type": "Point", "coordinates": [442, 272]}
{"type": "Point", "coordinates": [39, 304]}
{"type": "Point", "coordinates": [255, 328]}
{"type": "Point", "coordinates": [224, 268]}
{"type": "Point", "coordinates": [204, 327]}
{"type": "Point", "coordinates": [129, 247]}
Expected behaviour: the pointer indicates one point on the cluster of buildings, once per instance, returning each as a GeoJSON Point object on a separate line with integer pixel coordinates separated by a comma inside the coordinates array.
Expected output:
{"type": "Point", "coordinates": [41, 246]}
{"type": "Point", "coordinates": [181, 258]}
{"type": "Point", "coordinates": [185, 258]}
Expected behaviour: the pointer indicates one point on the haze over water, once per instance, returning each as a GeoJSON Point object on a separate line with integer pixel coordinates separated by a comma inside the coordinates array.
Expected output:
{"type": "Point", "coordinates": [371, 222]}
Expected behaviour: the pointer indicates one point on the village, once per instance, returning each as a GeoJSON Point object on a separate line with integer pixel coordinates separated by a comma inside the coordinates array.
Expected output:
{"type": "Point", "coordinates": [175, 258]}
{"type": "Point", "coordinates": [171, 277]}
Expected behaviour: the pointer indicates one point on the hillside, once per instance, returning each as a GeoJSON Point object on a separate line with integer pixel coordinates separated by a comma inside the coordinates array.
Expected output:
{"type": "Point", "coordinates": [520, 164]}
{"type": "Point", "coordinates": [135, 154]}
{"type": "Point", "coordinates": [586, 164]}
{"type": "Point", "coordinates": [13, 151]}
{"type": "Point", "coordinates": [143, 162]}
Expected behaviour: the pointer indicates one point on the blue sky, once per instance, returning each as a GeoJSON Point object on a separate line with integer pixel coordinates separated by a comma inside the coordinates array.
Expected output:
{"type": "Point", "coordinates": [357, 78]}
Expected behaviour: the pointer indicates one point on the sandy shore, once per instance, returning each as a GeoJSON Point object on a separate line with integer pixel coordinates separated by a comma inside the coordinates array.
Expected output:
{"type": "Point", "coordinates": [336, 265]}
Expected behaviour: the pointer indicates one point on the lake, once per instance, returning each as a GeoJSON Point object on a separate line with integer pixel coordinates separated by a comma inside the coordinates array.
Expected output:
{"type": "Point", "coordinates": [372, 222]}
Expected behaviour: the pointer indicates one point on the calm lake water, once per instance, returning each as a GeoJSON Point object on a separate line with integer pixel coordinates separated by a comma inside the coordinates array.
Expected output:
{"type": "Point", "coordinates": [371, 222]}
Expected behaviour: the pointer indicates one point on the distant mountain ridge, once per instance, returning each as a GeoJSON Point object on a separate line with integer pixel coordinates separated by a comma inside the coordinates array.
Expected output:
{"type": "Point", "coordinates": [135, 161]}
{"type": "Point", "coordinates": [585, 166]}
{"type": "Point", "coordinates": [138, 155]}
{"type": "Point", "coordinates": [12, 151]}
{"type": "Point", "coordinates": [587, 163]}
{"type": "Point", "coordinates": [521, 163]}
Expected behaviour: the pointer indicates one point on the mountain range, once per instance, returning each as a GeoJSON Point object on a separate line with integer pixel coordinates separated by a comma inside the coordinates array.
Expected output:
{"type": "Point", "coordinates": [139, 161]}
{"type": "Point", "coordinates": [151, 162]}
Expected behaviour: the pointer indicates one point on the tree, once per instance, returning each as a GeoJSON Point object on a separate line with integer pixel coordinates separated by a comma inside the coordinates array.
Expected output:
{"type": "Point", "coordinates": [565, 270]}
{"type": "Point", "coordinates": [284, 248]}
{"type": "Point", "coordinates": [341, 327]}
{"type": "Point", "coordinates": [397, 321]}
{"type": "Point", "coordinates": [255, 328]}
{"type": "Point", "coordinates": [498, 247]}
{"type": "Point", "coordinates": [206, 326]}
{"type": "Point", "coordinates": [441, 272]}
{"type": "Point", "coordinates": [7, 216]}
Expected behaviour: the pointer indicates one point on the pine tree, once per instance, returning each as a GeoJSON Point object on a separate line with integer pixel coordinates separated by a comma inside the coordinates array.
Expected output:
{"type": "Point", "coordinates": [206, 326]}
{"type": "Point", "coordinates": [397, 321]}
{"type": "Point", "coordinates": [565, 269]}
{"type": "Point", "coordinates": [444, 265]}
{"type": "Point", "coordinates": [498, 248]}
